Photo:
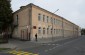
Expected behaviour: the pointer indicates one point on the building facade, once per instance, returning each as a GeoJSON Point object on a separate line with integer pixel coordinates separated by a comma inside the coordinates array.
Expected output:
{"type": "Point", "coordinates": [31, 19]}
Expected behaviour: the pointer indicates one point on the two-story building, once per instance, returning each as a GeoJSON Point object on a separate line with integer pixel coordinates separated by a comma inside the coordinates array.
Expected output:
{"type": "Point", "coordinates": [32, 19]}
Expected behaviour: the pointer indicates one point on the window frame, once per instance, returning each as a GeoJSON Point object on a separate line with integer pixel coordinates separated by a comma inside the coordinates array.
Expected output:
{"type": "Point", "coordinates": [39, 30]}
{"type": "Point", "coordinates": [39, 17]}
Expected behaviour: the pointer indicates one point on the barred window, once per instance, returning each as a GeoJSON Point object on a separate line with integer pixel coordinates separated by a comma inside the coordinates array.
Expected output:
{"type": "Point", "coordinates": [39, 30]}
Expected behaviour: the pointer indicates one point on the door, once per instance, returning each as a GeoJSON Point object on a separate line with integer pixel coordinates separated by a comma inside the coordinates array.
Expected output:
{"type": "Point", "coordinates": [25, 35]}
{"type": "Point", "coordinates": [22, 34]}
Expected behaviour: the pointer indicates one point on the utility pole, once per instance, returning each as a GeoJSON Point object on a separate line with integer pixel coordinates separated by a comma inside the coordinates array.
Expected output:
{"type": "Point", "coordinates": [53, 22]}
{"type": "Point", "coordinates": [62, 28]}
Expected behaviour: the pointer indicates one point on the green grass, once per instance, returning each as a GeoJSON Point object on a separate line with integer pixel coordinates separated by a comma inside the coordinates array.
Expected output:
{"type": "Point", "coordinates": [4, 49]}
{"type": "Point", "coordinates": [3, 41]}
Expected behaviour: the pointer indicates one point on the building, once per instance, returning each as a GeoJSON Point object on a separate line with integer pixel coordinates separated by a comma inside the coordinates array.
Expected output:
{"type": "Point", "coordinates": [32, 19]}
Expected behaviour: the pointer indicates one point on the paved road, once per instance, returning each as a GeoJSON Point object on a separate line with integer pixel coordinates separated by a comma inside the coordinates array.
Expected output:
{"type": "Point", "coordinates": [74, 46]}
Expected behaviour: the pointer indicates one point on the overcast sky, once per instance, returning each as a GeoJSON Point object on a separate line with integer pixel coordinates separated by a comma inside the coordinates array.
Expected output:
{"type": "Point", "coordinates": [72, 10]}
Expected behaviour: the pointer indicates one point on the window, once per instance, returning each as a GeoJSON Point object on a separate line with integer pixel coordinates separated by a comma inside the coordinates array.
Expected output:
{"type": "Point", "coordinates": [43, 18]}
{"type": "Point", "coordinates": [51, 31]}
{"type": "Point", "coordinates": [39, 17]}
{"type": "Point", "coordinates": [39, 30]}
{"type": "Point", "coordinates": [51, 20]}
{"type": "Point", "coordinates": [47, 19]}
{"type": "Point", "coordinates": [54, 31]}
{"type": "Point", "coordinates": [17, 19]}
{"type": "Point", "coordinates": [43, 30]}
{"type": "Point", "coordinates": [59, 23]}
{"type": "Point", "coordinates": [47, 30]}
{"type": "Point", "coordinates": [54, 20]}
{"type": "Point", "coordinates": [57, 31]}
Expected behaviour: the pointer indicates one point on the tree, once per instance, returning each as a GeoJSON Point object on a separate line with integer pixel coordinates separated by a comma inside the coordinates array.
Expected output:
{"type": "Point", "coordinates": [5, 15]}
{"type": "Point", "coordinates": [83, 31]}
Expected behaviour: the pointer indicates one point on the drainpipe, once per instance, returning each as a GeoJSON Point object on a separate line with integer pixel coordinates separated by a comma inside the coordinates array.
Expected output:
{"type": "Point", "coordinates": [30, 21]}
{"type": "Point", "coordinates": [62, 28]}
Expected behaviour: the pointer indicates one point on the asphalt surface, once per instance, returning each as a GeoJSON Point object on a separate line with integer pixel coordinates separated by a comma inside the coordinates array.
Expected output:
{"type": "Point", "coordinates": [72, 46]}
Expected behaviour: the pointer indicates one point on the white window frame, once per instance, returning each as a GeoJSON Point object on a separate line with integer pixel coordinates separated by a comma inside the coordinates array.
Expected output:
{"type": "Point", "coordinates": [39, 17]}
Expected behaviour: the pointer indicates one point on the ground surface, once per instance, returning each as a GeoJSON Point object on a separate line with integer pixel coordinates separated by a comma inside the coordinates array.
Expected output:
{"type": "Point", "coordinates": [73, 46]}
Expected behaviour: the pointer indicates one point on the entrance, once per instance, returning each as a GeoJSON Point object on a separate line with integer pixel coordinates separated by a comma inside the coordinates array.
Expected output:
{"type": "Point", "coordinates": [25, 35]}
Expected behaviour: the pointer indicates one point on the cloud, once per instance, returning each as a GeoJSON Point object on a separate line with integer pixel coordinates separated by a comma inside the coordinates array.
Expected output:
{"type": "Point", "coordinates": [16, 4]}
{"type": "Point", "coordinates": [79, 2]}
{"type": "Point", "coordinates": [72, 10]}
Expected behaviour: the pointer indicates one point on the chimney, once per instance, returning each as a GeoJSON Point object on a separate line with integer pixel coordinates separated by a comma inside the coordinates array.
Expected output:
{"type": "Point", "coordinates": [22, 7]}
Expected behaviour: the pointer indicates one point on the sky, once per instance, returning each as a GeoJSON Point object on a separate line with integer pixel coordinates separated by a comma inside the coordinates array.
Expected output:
{"type": "Point", "coordinates": [72, 10]}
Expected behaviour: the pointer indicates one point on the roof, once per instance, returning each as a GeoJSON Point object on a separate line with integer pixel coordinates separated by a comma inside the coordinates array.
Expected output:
{"type": "Point", "coordinates": [31, 4]}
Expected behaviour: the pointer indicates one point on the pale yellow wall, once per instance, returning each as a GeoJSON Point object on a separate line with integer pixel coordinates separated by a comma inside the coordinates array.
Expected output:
{"type": "Point", "coordinates": [69, 28]}
{"type": "Point", "coordinates": [23, 21]}
{"type": "Point", "coordinates": [35, 22]}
